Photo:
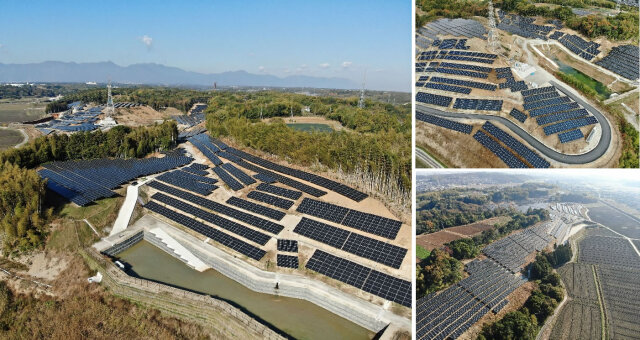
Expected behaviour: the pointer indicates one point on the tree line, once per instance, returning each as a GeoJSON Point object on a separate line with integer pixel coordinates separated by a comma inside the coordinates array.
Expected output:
{"type": "Point", "coordinates": [120, 141]}
{"type": "Point", "coordinates": [433, 9]}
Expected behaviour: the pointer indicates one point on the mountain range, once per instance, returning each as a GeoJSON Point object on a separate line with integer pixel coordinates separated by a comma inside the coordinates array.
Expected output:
{"type": "Point", "coordinates": [154, 74]}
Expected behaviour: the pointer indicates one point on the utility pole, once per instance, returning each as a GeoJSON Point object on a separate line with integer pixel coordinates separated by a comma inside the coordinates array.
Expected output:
{"type": "Point", "coordinates": [361, 101]}
{"type": "Point", "coordinates": [110, 109]}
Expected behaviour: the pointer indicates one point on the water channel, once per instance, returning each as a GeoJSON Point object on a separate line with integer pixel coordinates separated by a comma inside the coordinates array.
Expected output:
{"type": "Point", "coordinates": [298, 318]}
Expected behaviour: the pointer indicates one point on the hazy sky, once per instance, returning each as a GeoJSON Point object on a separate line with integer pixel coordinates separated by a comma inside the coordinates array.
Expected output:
{"type": "Point", "coordinates": [317, 38]}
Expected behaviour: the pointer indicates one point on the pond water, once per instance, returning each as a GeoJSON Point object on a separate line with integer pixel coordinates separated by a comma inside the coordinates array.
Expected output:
{"type": "Point", "coordinates": [599, 87]}
{"type": "Point", "coordinates": [298, 318]}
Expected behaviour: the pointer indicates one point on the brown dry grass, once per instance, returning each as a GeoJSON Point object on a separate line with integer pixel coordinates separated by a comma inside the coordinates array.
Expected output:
{"type": "Point", "coordinates": [140, 116]}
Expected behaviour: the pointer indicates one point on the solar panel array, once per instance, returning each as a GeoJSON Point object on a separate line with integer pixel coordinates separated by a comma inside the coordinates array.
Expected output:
{"type": "Point", "coordinates": [452, 312]}
{"type": "Point", "coordinates": [541, 96]}
{"type": "Point", "coordinates": [473, 84]}
{"type": "Point", "coordinates": [456, 27]}
{"type": "Point", "coordinates": [515, 145]}
{"type": "Point", "coordinates": [433, 99]}
{"type": "Point", "coordinates": [512, 251]}
{"type": "Point", "coordinates": [239, 174]}
{"type": "Point", "coordinates": [270, 199]}
{"type": "Point", "coordinates": [313, 191]}
{"type": "Point", "coordinates": [202, 143]}
{"type": "Point", "coordinates": [82, 182]}
{"type": "Point", "coordinates": [556, 117]}
{"type": "Point", "coordinates": [478, 104]}
{"type": "Point", "coordinates": [505, 155]}
{"type": "Point", "coordinates": [264, 178]}
{"type": "Point", "coordinates": [236, 228]}
{"type": "Point", "coordinates": [290, 246]}
{"type": "Point", "coordinates": [519, 115]}
{"type": "Point", "coordinates": [570, 136]}
{"type": "Point", "coordinates": [451, 44]}
{"type": "Point", "coordinates": [256, 208]}
{"type": "Point", "coordinates": [538, 90]}
{"type": "Point", "coordinates": [287, 261]}
{"type": "Point", "coordinates": [220, 208]}
{"type": "Point", "coordinates": [227, 179]}
{"type": "Point", "coordinates": [340, 188]}
{"type": "Point", "coordinates": [176, 178]}
{"type": "Point", "coordinates": [445, 123]}
{"type": "Point", "coordinates": [196, 170]}
{"type": "Point", "coordinates": [207, 231]}
{"type": "Point", "coordinates": [570, 124]}
{"type": "Point", "coordinates": [584, 49]}
{"type": "Point", "coordinates": [546, 102]}
{"type": "Point", "coordinates": [524, 26]}
{"type": "Point", "coordinates": [276, 190]}
{"type": "Point", "coordinates": [370, 223]}
{"type": "Point", "coordinates": [361, 277]}
{"type": "Point", "coordinates": [363, 246]}
{"type": "Point", "coordinates": [623, 60]}
{"type": "Point", "coordinates": [449, 88]}
{"type": "Point", "coordinates": [553, 109]}
{"type": "Point", "coordinates": [189, 121]}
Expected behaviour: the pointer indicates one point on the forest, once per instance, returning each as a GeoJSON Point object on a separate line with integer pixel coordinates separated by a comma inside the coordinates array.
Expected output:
{"type": "Point", "coordinates": [376, 143]}
{"type": "Point", "coordinates": [23, 212]}
{"type": "Point", "coordinates": [430, 10]}
{"type": "Point", "coordinates": [455, 207]}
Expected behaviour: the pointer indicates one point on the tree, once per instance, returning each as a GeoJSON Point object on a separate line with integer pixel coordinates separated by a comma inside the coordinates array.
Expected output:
{"type": "Point", "coordinates": [515, 325]}
{"type": "Point", "coordinates": [540, 268]}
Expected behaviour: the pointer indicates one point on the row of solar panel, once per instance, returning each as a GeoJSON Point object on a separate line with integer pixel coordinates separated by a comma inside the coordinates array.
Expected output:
{"type": "Point", "coordinates": [517, 146]}
{"type": "Point", "coordinates": [478, 104]}
{"type": "Point", "coordinates": [505, 155]}
{"type": "Point", "coordinates": [361, 277]}
{"type": "Point", "coordinates": [445, 123]}
{"type": "Point", "coordinates": [370, 223]}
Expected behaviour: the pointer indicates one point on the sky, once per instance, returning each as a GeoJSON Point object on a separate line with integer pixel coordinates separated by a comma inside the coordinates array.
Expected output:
{"type": "Point", "coordinates": [328, 38]}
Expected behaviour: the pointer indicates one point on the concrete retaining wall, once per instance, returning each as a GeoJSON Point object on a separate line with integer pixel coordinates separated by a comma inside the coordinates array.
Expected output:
{"type": "Point", "coordinates": [124, 245]}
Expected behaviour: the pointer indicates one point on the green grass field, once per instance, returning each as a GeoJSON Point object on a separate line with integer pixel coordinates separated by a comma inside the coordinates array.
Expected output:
{"type": "Point", "coordinates": [421, 253]}
{"type": "Point", "coordinates": [308, 127]}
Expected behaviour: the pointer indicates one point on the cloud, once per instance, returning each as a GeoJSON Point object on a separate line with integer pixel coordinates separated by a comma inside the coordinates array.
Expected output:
{"type": "Point", "coordinates": [147, 40]}
{"type": "Point", "coordinates": [287, 70]}
{"type": "Point", "coordinates": [346, 64]}
{"type": "Point", "coordinates": [261, 68]}
{"type": "Point", "coordinates": [324, 65]}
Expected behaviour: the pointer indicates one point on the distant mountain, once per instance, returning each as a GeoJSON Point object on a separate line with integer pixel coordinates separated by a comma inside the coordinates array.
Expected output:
{"type": "Point", "coordinates": [156, 74]}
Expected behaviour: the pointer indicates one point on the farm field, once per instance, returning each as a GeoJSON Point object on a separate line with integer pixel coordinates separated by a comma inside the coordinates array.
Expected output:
{"type": "Point", "coordinates": [615, 220]}
{"type": "Point", "coordinates": [578, 320]}
{"type": "Point", "coordinates": [438, 239]}
{"type": "Point", "coordinates": [579, 281]}
{"type": "Point", "coordinates": [621, 294]}
{"type": "Point", "coordinates": [20, 110]}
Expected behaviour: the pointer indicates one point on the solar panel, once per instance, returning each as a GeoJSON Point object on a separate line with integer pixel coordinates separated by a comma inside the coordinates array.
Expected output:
{"type": "Point", "coordinates": [287, 261]}
{"type": "Point", "coordinates": [216, 235]}
{"type": "Point", "coordinates": [381, 252]}
{"type": "Point", "coordinates": [505, 155]}
{"type": "Point", "coordinates": [183, 182]}
{"type": "Point", "coordinates": [445, 123]}
{"type": "Point", "coordinates": [270, 199]}
{"type": "Point", "coordinates": [291, 194]}
{"type": "Point", "coordinates": [220, 208]}
{"type": "Point", "coordinates": [217, 220]}
{"type": "Point", "coordinates": [264, 178]}
{"type": "Point", "coordinates": [359, 276]}
{"type": "Point", "coordinates": [284, 179]}
{"type": "Point", "coordinates": [290, 246]}
{"type": "Point", "coordinates": [227, 179]}
{"type": "Point", "coordinates": [519, 148]}
{"type": "Point", "coordinates": [237, 173]}
{"type": "Point", "coordinates": [256, 208]}
{"type": "Point", "coordinates": [570, 136]}
{"type": "Point", "coordinates": [373, 224]}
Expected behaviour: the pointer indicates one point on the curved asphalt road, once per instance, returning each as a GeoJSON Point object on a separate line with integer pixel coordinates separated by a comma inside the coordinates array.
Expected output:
{"type": "Point", "coordinates": [588, 157]}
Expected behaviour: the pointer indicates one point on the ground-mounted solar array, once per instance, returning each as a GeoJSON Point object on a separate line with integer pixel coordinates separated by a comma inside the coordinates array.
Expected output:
{"type": "Point", "coordinates": [478, 104]}
{"type": "Point", "coordinates": [287, 261]}
{"type": "Point", "coordinates": [225, 239]}
{"type": "Point", "coordinates": [623, 60]}
{"type": "Point", "coordinates": [570, 136]}
{"type": "Point", "coordinates": [587, 50]}
{"type": "Point", "coordinates": [363, 246]}
{"type": "Point", "coordinates": [228, 179]}
{"type": "Point", "coordinates": [82, 182]}
{"type": "Point", "coordinates": [178, 179]}
{"type": "Point", "coordinates": [238, 174]}
{"type": "Point", "coordinates": [518, 148]}
{"type": "Point", "coordinates": [453, 311]}
{"type": "Point", "coordinates": [219, 208]}
{"type": "Point", "coordinates": [276, 190]}
{"type": "Point", "coordinates": [264, 178]}
{"type": "Point", "coordinates": [433, 99]}
{"type": "Point", "coordinates": [202, 143]}
{"type": "Point", "coordinates": [445, 123]}
{"type": "Point", "coordinates": [276, 201]}
{"type": "Point", "coordinates": [370, 223]}
{"type": "Point", "coordinates": [361, 277]}
{"type": "Point", "coordinates": [71, 121]}
{"type": "Point", "coordinates": [518, 115]}
{"type": "Point", "coordinates": [189, 120]}
{"type": "Point", "coordinates": [290, 246]}
{"type": "Point", "coordinates": [523, 26]}
{"type": "Point", "coordinates": [447, 44]}
{"type": "Point", "coordinates": [505, 155]}
{"type": "Point", "coordinates": [511, 251]}
{"type": "Point", "coordinates": [456, 27]}
{"type": "Point", "coordinates": [608, 251]}
{"type": "Point", "coordinates": [217, 220]}
{"type": "Point", "coordinates": [472, 56]}
{"type": "Point", "coordinates": [256, 208]}
{"type": "Point", "coordinates": [340, 188]}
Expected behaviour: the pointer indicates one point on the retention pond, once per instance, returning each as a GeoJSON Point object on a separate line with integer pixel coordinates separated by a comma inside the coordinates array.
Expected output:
{"type": "Point", "coordinates": [298, 318]}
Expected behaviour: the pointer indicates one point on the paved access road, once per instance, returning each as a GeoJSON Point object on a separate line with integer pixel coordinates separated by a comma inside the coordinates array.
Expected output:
{"type": "Point", "coordinates": [593, 155]}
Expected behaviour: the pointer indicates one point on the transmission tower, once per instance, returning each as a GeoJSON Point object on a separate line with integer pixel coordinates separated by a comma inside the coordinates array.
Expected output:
{"type": "Point", "coordinates": [618, 6]}
{"type": "Point", "coordinates": [110, 109]}
{"type": "Point", "coordinates": [361, 101]}
{"type": "Point", "coordinates": [493, 32]}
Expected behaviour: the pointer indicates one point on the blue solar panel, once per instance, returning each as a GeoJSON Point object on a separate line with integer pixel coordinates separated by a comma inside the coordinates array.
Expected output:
{"type": "Point", "coordinates": [517, 114]}
{"type": "Point", "coordinates": [434, 99]}
{"type": "Point", "coordinates": [445, 123]}
{"type": "Point", "coordinates": [520, 149]}
{"type": "Point", "coordinates": [553, 109]}
{"type": "Point", "coordinates": [570, 124]}
{"type": "Point", "coordinates": [556, 117]}
{"type": "Point", "coordinates": [507, 157]}
{"type": "Point", "coordinates": [569, 136]}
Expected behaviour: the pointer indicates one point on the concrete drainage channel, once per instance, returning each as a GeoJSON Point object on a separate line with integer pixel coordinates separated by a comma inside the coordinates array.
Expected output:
{"type": "Point", "coordinates": [363, 313]}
